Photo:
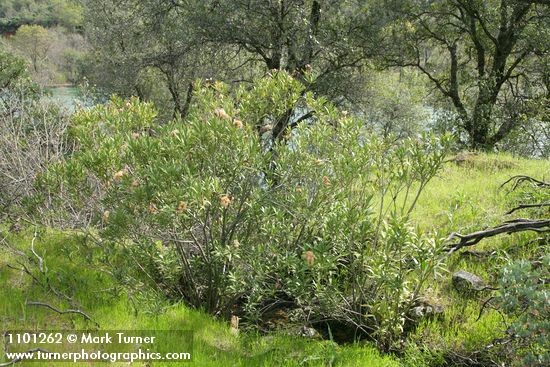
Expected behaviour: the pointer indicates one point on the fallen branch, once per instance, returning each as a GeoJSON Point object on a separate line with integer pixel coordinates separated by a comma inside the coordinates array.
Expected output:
{"type": "Point", "coordinates": [9, 247]}
{"type": "Point", "coordinates": [522, 178]}
{"type": "Point", "coordinates": [526, 206]}
{"type": "Point", "coordinates": [512, 226]}
{"type": "Point", "coordinates": [478, 254]}
{"type": "Point", "coordinates": [17, 360]}
{"type": "Point", "coordinates": [485, 304]}
{"type": "Point", "coordinates": [41, 266]}
{"type": "Point", "coordinates": [62, 312]}
{"type": "Point", "coordinates": [40, 260]}
{"type": "Point", "coordinates": [25, 270]}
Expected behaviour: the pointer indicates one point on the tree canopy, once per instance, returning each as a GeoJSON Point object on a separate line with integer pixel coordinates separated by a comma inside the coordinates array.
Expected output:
{"type": "Point", "coordinates": [484, 57]}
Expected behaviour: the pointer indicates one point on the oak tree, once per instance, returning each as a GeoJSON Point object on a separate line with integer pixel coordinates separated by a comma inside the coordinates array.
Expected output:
{"type": "Point", "coordinates": [480, 55]}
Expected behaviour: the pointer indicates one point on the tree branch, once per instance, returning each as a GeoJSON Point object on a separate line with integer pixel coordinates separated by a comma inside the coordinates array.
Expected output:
{"type": "Point", "coordinates": [525, 206]}
{"type": "Point", "coordinates": [519, 179]}
{"type": "Point", "coordinates": [516, 225]}
{"type": "Point", "coordinates": [62, 312]}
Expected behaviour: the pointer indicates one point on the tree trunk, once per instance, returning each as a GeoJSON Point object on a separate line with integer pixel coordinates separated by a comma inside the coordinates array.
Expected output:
{"type": "Point", "coordinates": [481, 119]}
{"type": "Point", "coordinates": [175, 98]}
{"type": "Point", "coordinates": [188, 98]}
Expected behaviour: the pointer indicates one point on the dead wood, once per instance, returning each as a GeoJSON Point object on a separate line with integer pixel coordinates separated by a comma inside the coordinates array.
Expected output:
{"type": "Point", "coordinates": [526, 206]}
{"type": "Point", "coordinates": [62, 312]}
{"type": "Point", "coordinates": [519, 179]}
{"type": "Point", "coordinates": [512, 226]}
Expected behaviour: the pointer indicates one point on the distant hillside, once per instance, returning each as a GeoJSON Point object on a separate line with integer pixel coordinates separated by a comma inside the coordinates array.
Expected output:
{"type": "Point", "coordinates": [47, 13]}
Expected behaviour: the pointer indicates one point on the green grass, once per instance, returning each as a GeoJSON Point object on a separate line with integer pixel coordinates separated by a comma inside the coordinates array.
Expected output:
{"type": "Point", "coordinates": [462, 198]}
{"type": "Point", "coordinates": [466, 195]}
{"type": "Point", "coordinates": [112, 309]}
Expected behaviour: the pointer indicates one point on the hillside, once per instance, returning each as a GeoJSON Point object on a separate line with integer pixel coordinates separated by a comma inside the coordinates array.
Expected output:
{"type": "Point", "coordinates": [275, 183]}
{"type": "Point", "coordinates": [464, 197]}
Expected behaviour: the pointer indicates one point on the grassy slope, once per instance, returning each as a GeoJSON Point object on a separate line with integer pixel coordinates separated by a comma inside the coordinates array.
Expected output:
{"type": "Point", "coordinates": [464, 198]}
{"type": "Point", "coordinates": [470, 191]}
{"type": "Point", "coordinates": [460, 199]}
{"type": "Point", "coordinates": [214, 344]}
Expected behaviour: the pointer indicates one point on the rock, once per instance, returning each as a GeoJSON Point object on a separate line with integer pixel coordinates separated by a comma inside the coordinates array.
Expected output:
{"type": "Point", "coordinates": [309, 332]}
{"type": "Point", "coordinates": [460, 158]}
{"type": "Point", "coordinates": [422, 311]}
{"type": "Point", "coordinates": [425, 310]}
{"type": "Point", "coordinates": [464, 281]}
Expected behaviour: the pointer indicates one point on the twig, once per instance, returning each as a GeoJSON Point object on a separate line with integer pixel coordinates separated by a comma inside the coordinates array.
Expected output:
{"type": "Point", "coordinates": [40, 260]}
{"type": "Point", "coordinates": [483, 307]}
{"type": "Point", "coordinates": [524, 206]}
{"type": "Point", "coordinates": [10, 248]}
{"type": "Point", "coordinates": [62, 312]}
{"type": "Point", "coordinates": [26, 270]}
{"type": "Point", "coordinates": [477, 254]}
{"type": "Point", "coordinates": [522, 178]}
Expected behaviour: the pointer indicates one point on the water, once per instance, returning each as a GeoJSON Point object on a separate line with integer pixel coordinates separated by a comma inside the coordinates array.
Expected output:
{"type": "Point", "coordinates": [68, 97]}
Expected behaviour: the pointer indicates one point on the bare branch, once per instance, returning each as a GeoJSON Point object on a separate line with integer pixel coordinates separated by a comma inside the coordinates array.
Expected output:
{"type": "Point", "coordinates": [516, 225]}
{"type": "Point", "coordinates": [522, 178]}
{"type": "Point", "coordinates": [40, 260]}
{"type": "Point", "coordinates": [524, 206]}
{"type": "Point", "coordinates": [62, 312]}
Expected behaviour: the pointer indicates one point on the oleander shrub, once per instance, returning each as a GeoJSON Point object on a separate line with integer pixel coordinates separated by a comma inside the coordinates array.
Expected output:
{"type": "Point", "coordinates": [219, 213]}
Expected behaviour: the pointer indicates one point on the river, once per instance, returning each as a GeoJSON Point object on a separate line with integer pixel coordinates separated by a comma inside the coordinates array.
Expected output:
{"type": "Point", "coordinates": [68, 97]}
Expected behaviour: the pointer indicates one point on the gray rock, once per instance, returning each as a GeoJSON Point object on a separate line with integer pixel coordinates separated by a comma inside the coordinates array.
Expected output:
{"type": "Point", "coordinates": [464, 281]}
{"type": "Point", "coordinates": [425, 310]}
{"type": "Point", "coordinates": [309, 332]}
